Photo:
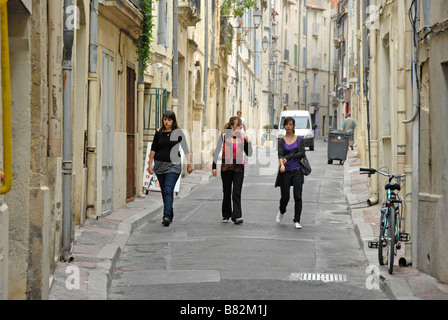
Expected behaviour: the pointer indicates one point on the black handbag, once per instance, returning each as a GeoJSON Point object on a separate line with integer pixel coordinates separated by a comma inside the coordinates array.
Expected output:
{"type": "Point", "coordinates": [305, 166]}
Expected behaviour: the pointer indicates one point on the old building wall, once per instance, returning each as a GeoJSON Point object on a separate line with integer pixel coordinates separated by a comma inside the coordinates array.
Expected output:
{"type": "Point", "coordinates": [432, 223]}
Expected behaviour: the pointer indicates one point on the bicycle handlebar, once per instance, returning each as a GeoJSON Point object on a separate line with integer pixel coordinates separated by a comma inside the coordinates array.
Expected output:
{"type": "Point", "coordinates": [373, 171]}
{"type": "Point", "coordinates": [367, 170]}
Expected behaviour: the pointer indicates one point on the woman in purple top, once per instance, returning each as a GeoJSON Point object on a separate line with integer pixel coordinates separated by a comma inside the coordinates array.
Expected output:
{"type": "Point", "coordinates": [290, 150]}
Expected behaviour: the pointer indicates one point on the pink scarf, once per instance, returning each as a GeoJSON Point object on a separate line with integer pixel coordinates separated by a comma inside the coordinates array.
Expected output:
{"type": "Point", "coordinates": [238, 148]}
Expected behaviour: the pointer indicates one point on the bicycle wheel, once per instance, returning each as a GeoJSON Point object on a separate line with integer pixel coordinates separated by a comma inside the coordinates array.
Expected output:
{"type": "Point", "coordinates": [392, 237]}
{"type": "Point", "coordinates": [382, 241]}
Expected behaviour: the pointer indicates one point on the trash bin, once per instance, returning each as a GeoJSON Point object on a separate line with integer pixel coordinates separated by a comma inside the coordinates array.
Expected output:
{"type": "Point", "coordinates": [337, 145]}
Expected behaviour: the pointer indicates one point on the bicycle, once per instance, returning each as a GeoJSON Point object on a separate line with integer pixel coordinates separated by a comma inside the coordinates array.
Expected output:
{"type": "Point", "coordinates": [390, 237]}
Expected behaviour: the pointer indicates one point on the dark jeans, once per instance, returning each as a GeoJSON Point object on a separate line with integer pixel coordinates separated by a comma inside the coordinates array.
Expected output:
{"type": "Point", "coordinates": [291, 178]}
{"type": "Point", "coordinates": [232, 179]}
{"type": "Point", "coordinates": [167, 183]}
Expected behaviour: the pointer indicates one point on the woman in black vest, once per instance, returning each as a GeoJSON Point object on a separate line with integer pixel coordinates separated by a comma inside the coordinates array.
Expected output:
{"type": "Point", "coordinates": [233, 143]}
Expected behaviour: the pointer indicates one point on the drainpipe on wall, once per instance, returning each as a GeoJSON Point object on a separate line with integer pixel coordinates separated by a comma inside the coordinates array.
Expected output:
{"type": "Point", "coordinates": [175, 62]}
{"type": "Point", "coordinates": [412, 176]}
{"type": "Point", "coordinates": [91, 113]}
{"type": "Point", "coordinates": [306, 25]}
{"type": "Point", "coordinates": [401, 116]}
{"type": "Point", "coordinates": [140, 106]}
{"type": "Point", "coordinates": [374, 190]}
{"type": "Point", "coordinates": [6, 100]}
{"type": "Point", "coordinates": [7, 152]}
{"type": "Point", "coordinates": [67, 165]}
{"type": "Point", "coordinates": [175, 48]}
{"type": "Point", "coordinates": [401, 89]}
{"type": "Point", "coordinates": [330, 36]}
{"type": "Point", "coordinates": [366, 51]}
{"type": "Point", "coordinates": [271, 100]}
{"type": "Point", "coordinates": [204, 115]}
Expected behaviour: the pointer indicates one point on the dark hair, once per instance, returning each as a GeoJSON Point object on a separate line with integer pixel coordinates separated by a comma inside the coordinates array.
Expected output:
{"type": "Point", "coordinates": [231, 122]}
{"type": "Point", "coordinates": [169, 114]}
{"type": "Point", "coordinates": [287, 120]}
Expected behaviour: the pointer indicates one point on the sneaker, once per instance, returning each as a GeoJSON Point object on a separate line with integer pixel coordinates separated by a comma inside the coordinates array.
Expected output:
{"type": "Point", "coordinates": [279, 217]}
{"type": "Point", "coordinates": [297, 225]}
{"type": "Point", "coordinates": [166, 222]}
{"type": "Point", "coordinates": [238, 221]}
{"type": "Point", "coordinates": [225, 220]}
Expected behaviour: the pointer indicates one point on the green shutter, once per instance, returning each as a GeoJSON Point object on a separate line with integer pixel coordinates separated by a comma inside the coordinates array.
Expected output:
{"type": "Point", "coordinates": [295, 55]}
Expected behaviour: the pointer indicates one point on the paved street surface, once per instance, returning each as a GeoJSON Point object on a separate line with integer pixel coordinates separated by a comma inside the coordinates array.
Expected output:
{"type": "Point", "coordinates": [200, 257]}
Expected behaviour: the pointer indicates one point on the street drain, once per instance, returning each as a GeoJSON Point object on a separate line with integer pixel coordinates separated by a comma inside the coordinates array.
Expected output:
{"type": "Point", "coordinates": [324, 277]}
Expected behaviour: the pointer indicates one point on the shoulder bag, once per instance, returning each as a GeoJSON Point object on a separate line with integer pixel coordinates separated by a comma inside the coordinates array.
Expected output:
{"type": "Point", "coordinates": [305, 164]}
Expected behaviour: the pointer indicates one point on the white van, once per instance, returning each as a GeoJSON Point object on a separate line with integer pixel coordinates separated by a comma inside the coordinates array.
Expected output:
{"type": "Point", "coordinates": [303, 128]}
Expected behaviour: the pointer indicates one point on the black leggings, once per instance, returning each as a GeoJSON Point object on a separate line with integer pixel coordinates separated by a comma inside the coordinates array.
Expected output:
{"type": "Point", "coordinates": [287, 179]}
{"type": "Point", "coordinates": [232, 185]}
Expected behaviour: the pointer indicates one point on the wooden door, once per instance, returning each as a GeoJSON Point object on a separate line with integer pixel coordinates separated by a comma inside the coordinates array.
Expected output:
{"type": "Point", "coordinates": [130, 132]}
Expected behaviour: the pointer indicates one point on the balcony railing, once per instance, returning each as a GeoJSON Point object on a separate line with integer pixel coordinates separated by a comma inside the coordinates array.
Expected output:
{"type": "Point", "coordinates": [125, 13]}
{"type": "Point", "coordinates": [286, 55]}
{"type": "Point", "coordinates": [318, 3]}
{"type": "Point", "coordinates": [137, 4]}
{"type": "Point", "coordinates": [189, 12]}
{"type": "Point", "coordinates": [316, 29]}
{"type": "Point", "coordinates": [285, 99]}
{"type": "Point", "coordinates": [316, 63]}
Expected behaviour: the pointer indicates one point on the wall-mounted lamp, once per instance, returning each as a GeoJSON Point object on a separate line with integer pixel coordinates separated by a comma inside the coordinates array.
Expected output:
{"type": "Point", "coordinates": [257, 20]}
{"type": "Point", "coordinates": [159, 66]}
{"type": "Point", "coordinates": [281, 67]}
{"type": "Point", "coordinates": [265, 43]}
